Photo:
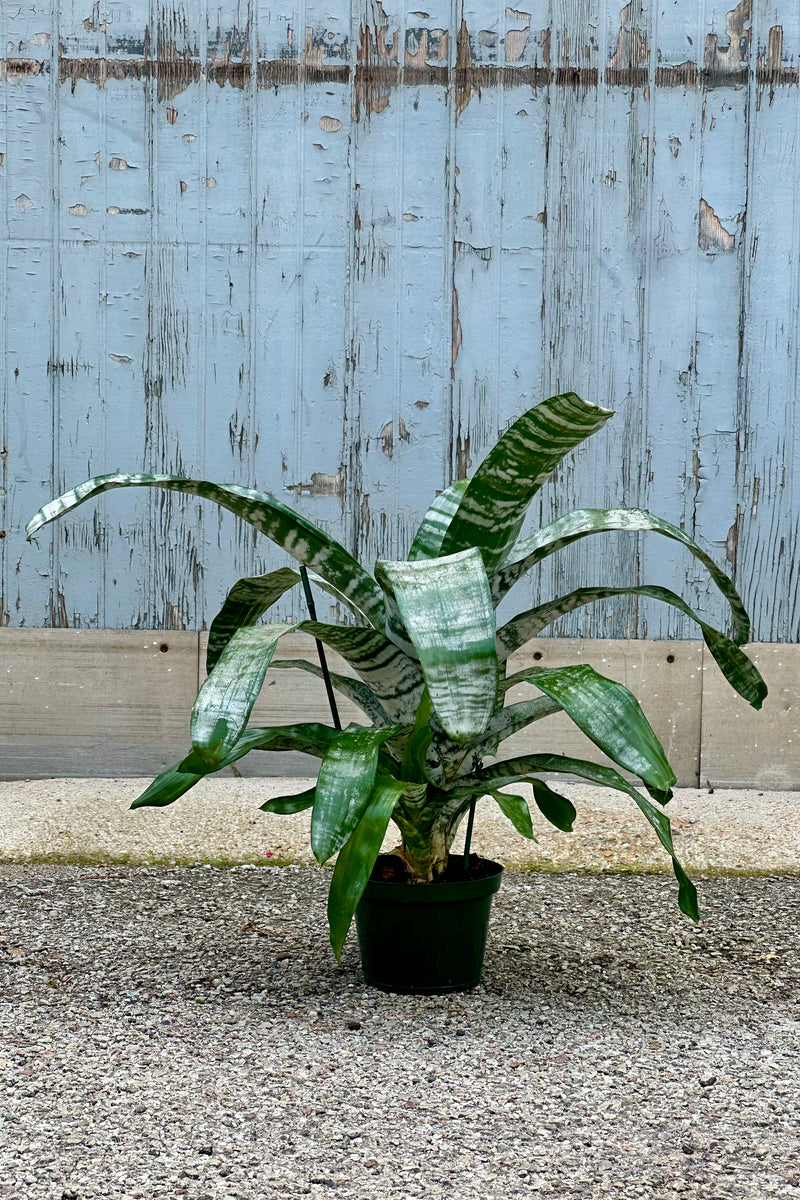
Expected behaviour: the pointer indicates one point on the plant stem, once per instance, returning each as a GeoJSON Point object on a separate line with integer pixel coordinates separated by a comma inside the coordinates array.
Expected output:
{"type": "Point", "coordinates": [312, 612]}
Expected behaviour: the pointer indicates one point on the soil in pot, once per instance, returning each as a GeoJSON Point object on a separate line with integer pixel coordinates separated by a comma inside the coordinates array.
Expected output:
{"type": "Point", "coordinates": [426, 937]}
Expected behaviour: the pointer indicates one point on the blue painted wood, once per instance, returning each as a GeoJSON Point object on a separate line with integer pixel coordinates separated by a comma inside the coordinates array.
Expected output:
{"type": "Point", "coordinates": [333, 251]}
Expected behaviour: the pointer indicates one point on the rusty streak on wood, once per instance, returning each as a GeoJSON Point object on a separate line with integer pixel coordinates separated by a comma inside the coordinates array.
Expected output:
{"type": "Point", "coordinates": [378, 69]}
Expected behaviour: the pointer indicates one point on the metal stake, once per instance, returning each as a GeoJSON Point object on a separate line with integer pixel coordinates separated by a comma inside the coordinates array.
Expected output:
{"type": "Point", "coordinates": [337, 724]}
{"type": "Point", "coordinates": [468, 838]}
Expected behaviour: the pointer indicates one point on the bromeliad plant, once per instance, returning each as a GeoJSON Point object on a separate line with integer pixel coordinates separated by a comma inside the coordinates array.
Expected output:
{"type": "Point", "coordinates": [431, 665]}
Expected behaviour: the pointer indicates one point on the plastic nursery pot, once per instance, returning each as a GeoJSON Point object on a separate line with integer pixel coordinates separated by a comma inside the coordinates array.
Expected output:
{"type": "Point", "coordinates": [426, 937]}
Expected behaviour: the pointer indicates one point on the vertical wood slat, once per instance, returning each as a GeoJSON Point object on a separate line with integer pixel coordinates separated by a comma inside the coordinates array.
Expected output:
{"type": "Point", "coordinates": [669, 309]}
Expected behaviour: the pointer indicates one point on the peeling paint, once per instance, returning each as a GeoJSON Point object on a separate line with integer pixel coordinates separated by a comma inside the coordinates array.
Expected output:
{"type": "Point", "coordinates": [730, 60]}
{"type": "Point", "coordinates": [322, 484]}
{"type": "Point", "coordinates": [712, 237]}
{"type": "Point", "coordinates": [386, 436]}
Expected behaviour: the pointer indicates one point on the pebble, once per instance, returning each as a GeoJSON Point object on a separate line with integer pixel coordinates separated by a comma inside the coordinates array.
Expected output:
{"type": "Point", "coordinates": [156, 1042]}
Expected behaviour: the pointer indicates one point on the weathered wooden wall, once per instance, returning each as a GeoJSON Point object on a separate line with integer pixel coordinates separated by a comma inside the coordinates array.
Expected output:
{"type": "Point", "coordinates": [331, 252]}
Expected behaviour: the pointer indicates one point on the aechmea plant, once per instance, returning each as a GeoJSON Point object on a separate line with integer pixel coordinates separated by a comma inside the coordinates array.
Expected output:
{"type": "Point", "coordinates": [430, 665]}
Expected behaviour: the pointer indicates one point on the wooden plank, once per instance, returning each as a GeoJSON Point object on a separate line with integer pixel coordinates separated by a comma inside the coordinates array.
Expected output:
{"type": "Point", "coordinates": [665, 677]}
{"type": "Point", "coordinates": [122, 705]}
{"type": "Point", "coordinates": [88, 702]}
{"type": "Point", "coordinates": [743, 748]}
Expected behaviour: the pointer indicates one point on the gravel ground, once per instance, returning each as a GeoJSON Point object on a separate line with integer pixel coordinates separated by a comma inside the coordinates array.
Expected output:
{"type": "Point", "coordinates": [185, 1032]}
{"type": "Point", "coordinates": [89, 820]}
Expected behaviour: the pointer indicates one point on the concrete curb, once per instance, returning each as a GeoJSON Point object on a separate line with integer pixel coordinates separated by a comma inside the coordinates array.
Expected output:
{"type": "Point", "coordinates": [88, 821]}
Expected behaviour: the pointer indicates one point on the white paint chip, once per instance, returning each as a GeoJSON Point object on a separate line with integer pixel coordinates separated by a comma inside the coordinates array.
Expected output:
{"type": "Point", "coordinates": [123, 358]}
{"type": "Point", "coordinates": [330, 124]}
{"type": "Point", "coordinates": [189, 137]}
{"type": "Point", "coordinates": [210, 183]}
{"type": "Point", "coordinates": [112, 210]}
{"type": "Point", "coordinates": [24, 202]}
{"type": "Point", "coordinates": [120, 164]}
{"type": "Point", "coordinates": [78, 210]}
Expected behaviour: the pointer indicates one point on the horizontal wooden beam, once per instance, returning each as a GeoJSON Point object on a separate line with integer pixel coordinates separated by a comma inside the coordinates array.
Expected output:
{"type": "Point", "coordinates": [116, 703]}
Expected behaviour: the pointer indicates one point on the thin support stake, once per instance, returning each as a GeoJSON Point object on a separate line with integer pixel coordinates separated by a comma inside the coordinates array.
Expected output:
{"type": "Point", "coordinates": [326, 675]}
{"type": "Point", "coordinates": [468, 838]}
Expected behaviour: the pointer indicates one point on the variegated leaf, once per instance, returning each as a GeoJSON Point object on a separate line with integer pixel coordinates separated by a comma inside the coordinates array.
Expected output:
{"type": "Point", "coordinates": [264, 512]}
{"type": "Point", "coordinates": [244, 605]}
{"type": "Point", "coordinates": [357, 858]}
{"type": "Point", "coordinates": [611, 716]}
{"type": "Point", "coordinates": [225, 701]}
{"type": "Point", "coordinates": [427, 541]}
{"type": "Point", "coordinates": [309, 738]}
{"type": "Point", "coordinates": [737, 668]}
{"type": "Point", "coordinates": [446, 607]}
{"type": "Point", "coordinates": [394, 678]}
{"type": "Point", "coordinates": [586, 521]}
{"type": "Point", "coordinates": [353, 689]}
{"type": "Point", "coordinates": [344, 784]}
{"type": "Point", "coordinates": [496, 500]}
{"type": "Point", "coordinates": [519, 770]}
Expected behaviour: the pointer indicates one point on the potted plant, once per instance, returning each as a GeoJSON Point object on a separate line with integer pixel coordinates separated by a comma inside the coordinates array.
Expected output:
{"type": "Point", "coordinates": [431, 678]}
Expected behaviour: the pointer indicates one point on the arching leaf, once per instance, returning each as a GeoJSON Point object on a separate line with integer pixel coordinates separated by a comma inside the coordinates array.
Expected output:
{"type": "Point", "coordinates": [428, 539]}
{"type": "Point", "coordinates": [737, 668]}
{"type": "Point", "coordinates": [496, 500]}
{"type": "Point", "coordinates": [264, 512]}
{"type": "Point", "coordinates": [586, 521]}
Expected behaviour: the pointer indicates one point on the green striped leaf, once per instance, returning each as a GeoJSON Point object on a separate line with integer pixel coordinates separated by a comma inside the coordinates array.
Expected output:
{"type": "Point", "coordinates": [496, 500]}
{"type": "Point", "coordinates": [427, 542]}
{"type": "Point", "coordinates": [244, 605]}
{"type": "Point", "coordinates": [269, 516]}
{"type": "Point", "coordinates": [515, 808]}
{"type": "Point", "coordinates": [225, 701]}
{"type": "Point", "coordinates": [353, 689]}
{"type": "Point", "coordinates": [357, 858]}
{"type": "Point", "coordinates": [737, 668]}
{"type": "Point", "coordinates": [586, 521]}
{"type": "Point", "coordinates": [446, 607]}
{"type": "Point", "coordinates": [285, 806]}
{"type": "Point", "coordinates": [310, 738]}
{"type": "Point", "coordinates": [394, 679]}
{"type": "Point", "coordinates": [345, 781]}
{"type": "Point", "coordinates": [611, 716]}
{"type": "Point", "coordinates": [519, 770]}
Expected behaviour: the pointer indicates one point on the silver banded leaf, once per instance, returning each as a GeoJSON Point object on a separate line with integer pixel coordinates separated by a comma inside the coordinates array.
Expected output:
{"type": "Point", "coordinates": [353, 689]}
{"type": "Point", "coordinates": [394, 678]}
{"type": "Point", "coordinates": [737, 668]}
{"type": "Point", "coordinates": [446, 606]}
{"type": "Point", "coordinates": [309, 738]}
{"type": "Point", "coordinates": [244, 605]}
{"type": "Point", "coordinates": [269, 516]}
{"type": "Point", "coordinates": [519, 770]}
{"type": "Point", "coordinates": [345, 781]}
{"type": "Point", "coordinates": [586, 521]}
{"type": "Point", "coordinates": [225, 701]}
{"type": "Point", "coordinates": [494, 504]}
{"type": "Point", "coordinates": [427, 541]}
{"type": "Point", "coordinates": [610, 715]}
{"type": "Point", "coordinates": [357, 858]}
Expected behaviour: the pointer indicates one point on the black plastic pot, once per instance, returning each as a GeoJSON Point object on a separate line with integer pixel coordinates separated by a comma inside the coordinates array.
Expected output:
{"type": "Point", "coordinates": [426, 937]}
